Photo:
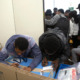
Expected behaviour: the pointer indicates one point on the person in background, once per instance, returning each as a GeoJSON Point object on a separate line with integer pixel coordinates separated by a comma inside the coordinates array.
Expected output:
{"type": "Point", "coordinates": [20, 46]}
{"type": "Point", "coordinates": [75, 36]}
{"type": "Point", "coordinates": [55, 11]}
{"type": "Point", "coordinates": [76, 28]}
{"type": "Point", "coordinates": [52, 22]}
{"type": "Point", "coordinates": [48, 14]}
{"type": "Point", "coordinates": [75, 54]}
{"type": "Point", "coordinates": [67, 13]}
{"type": "Point", "coordinates": [79, 14]}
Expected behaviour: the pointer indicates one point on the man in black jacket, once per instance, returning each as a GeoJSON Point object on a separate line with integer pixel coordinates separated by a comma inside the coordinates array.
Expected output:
{"type": "Point", "coordinates": [54, 43]}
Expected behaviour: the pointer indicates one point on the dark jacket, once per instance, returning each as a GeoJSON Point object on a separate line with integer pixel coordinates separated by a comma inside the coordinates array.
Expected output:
{"type": "Point", "coordinates": [79, 25]}
{"type": "Point", "coordinates": [64, 51]}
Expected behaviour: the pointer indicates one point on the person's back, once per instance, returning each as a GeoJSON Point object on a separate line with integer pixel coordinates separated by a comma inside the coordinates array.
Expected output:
{"type": "Point", "coordinates": [54, 45]}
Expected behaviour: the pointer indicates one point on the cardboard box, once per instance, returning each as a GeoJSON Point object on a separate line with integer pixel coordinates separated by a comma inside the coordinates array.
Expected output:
{"type": "Point", "coordinates": [12, 73]}
{"type": "Point", "coordinates": [25, 75]}
{"type": "Point", "coordinates": [46, 78]}
{"type": "Point", "coordinates": [1, 76]}
{"type": "Point", "coordinates": [8, 72]}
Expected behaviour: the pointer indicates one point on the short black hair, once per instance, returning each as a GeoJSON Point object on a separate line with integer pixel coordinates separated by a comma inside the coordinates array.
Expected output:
{"type": "Point", "coordinates": [61, 10]}
{"type": "Point", "coordinates": [55, 9]}
{"type": "Point", "coordinates": [51, 44]}
{"type": "Point", "coordinates": [21, 43]}
{"type": "Point", "coordinates": [74, 15]}
{"type": "Point", "coordinates": [48, 12]}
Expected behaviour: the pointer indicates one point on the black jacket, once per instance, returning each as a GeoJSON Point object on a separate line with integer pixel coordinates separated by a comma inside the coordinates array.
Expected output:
{"type": "Point", "coordinates": [79, 25]}
{"type": "Point", "coordinates": [64, 51]}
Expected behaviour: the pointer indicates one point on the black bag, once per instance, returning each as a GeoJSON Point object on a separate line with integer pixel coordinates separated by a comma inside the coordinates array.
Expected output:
{"type": "Point", "coordinates": [63, 24]}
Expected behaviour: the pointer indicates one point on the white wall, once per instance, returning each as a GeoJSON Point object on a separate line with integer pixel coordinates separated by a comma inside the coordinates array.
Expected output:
{"type": "Point", "coordinates": [65, 4]}
{"type": "Point", "coordinates": [29, 17]}
{"type": "Point", "coordinates": [21, 17]}
{"type": "Point", "coordinates": [49, 4]}
{"type": "Point", "coordinates": [6, 20]}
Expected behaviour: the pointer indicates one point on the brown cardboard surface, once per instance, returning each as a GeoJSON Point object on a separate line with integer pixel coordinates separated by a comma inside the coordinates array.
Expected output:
{"type": "Point", "coordinates": [9, 72]}
{"type": "Point", "coordinates": [25, 75]}
{"type": "Point", "coordinates": [34, 75]}
{"type": "Point", "coordinates": [45, 78]}
{"type": "Point", "coordinates": [52, 79]}
{"type": "Point", "coordinates": [12, 73]}
{"type": "Point", "coordinates": [1, 76]}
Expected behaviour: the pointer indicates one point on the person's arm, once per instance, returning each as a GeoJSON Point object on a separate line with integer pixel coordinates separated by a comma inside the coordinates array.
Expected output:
{"type": "Point", "coordinates": [3, 54]}
{"type": "Point", "coordinates": [55, 64]}
{"type": "Point", "coordinates": [62, 58]}
{"type": "Point", "coordinates": [37, 56]}
{"type": "Point", "coordinates": [53, 20]}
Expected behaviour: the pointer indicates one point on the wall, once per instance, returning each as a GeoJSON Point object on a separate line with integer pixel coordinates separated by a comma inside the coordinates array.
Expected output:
{"type": "Point", "coordinates": [49, 4]}
{"type": "Point", "coordinates": [6, 20]}
{"type": "Point", "coordinates": [66, 4]}
{"type": "Point", "coordinates": [21, 17]}
{"type": "Point", "coordinates": [29, 17]}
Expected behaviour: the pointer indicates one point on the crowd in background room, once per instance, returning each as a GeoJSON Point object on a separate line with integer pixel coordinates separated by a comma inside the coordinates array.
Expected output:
{"type": "Point", "coordinates": [51, 20]}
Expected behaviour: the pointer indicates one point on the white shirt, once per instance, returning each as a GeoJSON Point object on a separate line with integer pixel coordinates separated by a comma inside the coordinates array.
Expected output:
{"type": "Point", "coordinates": [75, 29]}
{"type": "Point", "coordinates": [71, 29]}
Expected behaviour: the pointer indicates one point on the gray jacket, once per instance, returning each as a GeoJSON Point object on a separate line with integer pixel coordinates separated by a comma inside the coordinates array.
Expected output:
{"type": "Point", "coordinates": [54, 19]}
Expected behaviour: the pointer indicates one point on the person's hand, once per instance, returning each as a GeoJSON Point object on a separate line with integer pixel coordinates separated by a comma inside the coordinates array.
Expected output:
{"type": "Point", "coordinates": [15, 64]}
{"type": "Point", "coordinates": [27, 68]}
{"type": "Point", "coordinates": [44, 62]}
{"type": "Point", "coordinates": [55, 64]}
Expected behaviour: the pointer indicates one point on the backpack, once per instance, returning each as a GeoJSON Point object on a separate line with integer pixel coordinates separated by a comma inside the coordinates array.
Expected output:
{"type": "Point", "coordinates": [63, 24]}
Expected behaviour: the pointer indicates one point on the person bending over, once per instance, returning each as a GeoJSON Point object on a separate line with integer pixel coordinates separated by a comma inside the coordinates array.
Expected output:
{"type": "Point", "coordinates": [20, 46]}
{"type": "Point", "coordinates": [54, 44]}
